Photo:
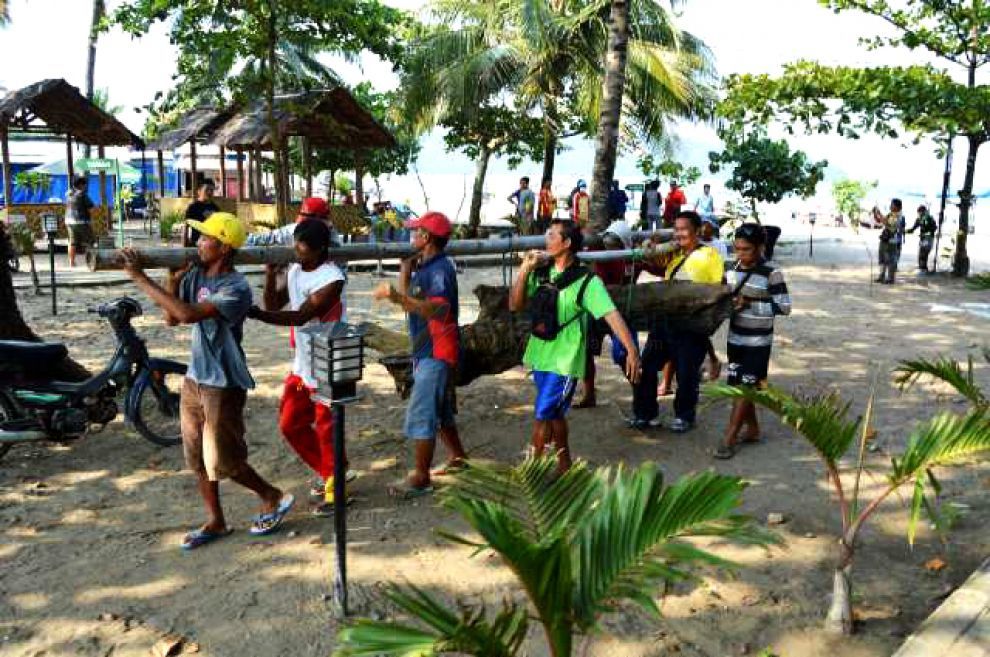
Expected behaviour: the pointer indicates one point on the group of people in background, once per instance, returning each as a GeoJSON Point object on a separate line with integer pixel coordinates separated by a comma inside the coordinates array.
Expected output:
{"type": "Point", "coordinates": [533, 214]}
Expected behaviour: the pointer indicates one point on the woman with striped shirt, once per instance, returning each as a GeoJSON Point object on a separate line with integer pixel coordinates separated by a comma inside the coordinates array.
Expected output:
{"type": "Point", "coordinates": [759, 295]}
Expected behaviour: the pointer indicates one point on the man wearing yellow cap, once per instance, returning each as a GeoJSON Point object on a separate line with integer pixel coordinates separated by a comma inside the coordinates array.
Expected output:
{"type": "Point", "coordinates": [214, 298]}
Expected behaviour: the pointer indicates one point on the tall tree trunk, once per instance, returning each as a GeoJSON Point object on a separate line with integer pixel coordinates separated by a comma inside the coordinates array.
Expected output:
{"type": "Point", "coordinates": [12, 324]}
{"type": "Point", "coordinates": [98, 10]}
{"type": "Point", "coordinates": [478, 189]}
{"type": "Point", "coordinates": [281, 202]}
{"type": "Point", "coordinates": [549, 149]}
{"type": "Point", "coordinates": [607, 141]}
{"type": "Point", "coordinates": [960, 262]}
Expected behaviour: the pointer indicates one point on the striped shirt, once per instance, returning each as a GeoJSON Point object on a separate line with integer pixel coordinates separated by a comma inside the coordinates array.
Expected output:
{"type": "Point", "coordinates": [767, 291]}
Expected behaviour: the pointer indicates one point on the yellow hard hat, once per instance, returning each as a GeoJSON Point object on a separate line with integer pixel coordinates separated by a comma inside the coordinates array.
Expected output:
{"type": "Point", "coordinates": [223, 226]}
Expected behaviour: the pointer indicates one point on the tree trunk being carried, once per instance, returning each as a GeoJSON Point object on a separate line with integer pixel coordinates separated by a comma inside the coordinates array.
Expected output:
{"type": "Point", "coordinates": [496, 341]}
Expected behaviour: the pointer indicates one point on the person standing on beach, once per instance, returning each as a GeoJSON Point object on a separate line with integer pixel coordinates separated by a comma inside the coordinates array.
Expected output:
{"type": "Point", "coordinates": [214, 298]}
{"type": "Point", "coordinates": [925, 223]}
{"type": "Point", "coordinates": [78, 218]}
{"type": "Point", "coordinates": [650, 206]}
{"type": "Point", "coordinates": [672, 204]}
{"type": "Point", "coordinates": [547, 205]}
{"type": "Point", "coordinates": [891, 238]}
{"type": "Point", "coordinates": [581, 205]}
{"type": "Point", "coordinates": [525, 202]}
{"type": "Point", "coordinates": [705, 206]}
{"type": "Point", "coordinates": [759, 294]}
{"type": "Point", "coordinates": [199, 210]}
{"type": "Point", "coordinates": [560, 294]}
{"type": "Point", "coordinates": [429, 296]}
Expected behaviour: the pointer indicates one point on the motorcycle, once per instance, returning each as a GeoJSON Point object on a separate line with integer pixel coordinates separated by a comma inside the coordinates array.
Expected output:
{"type": "Point", "coordinates": [35, 408]}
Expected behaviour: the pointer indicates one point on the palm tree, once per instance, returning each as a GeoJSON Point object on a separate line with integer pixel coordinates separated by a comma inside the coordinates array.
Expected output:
{"type": "Point", "coordinates": [580, 545]}
{"type": "Point", "coordinates": [99, 9]}
{"type": "Point", "coordinates": [550, 55]}
{"type": "Point", "coordinates": [823, 421]}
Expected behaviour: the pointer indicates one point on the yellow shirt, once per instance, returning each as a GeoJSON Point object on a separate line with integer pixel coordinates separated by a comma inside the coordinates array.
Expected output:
{"type": "Point", "coordinates": [703, 265]}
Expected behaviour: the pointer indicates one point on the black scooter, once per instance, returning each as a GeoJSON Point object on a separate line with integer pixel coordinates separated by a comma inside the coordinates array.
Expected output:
{"type": "Point", "coordinates": [34, 407]}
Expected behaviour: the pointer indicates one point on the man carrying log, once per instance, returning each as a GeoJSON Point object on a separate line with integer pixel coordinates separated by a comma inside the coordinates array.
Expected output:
{"type": "Point", "coordinates": [560, 295]}
{"type": "Point", "coordinates": [313, 292]}
{"type": "Point", "coordinates": [686, 349]}
{"type": "Point", "coordinates": [429, 296]}
{"type": "Point", "coordinates": [214, 298]}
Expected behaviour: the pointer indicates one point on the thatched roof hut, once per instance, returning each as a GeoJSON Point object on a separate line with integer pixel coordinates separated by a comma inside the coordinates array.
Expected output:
{"type": "Point", "coordinates": [56, 106]}
{"type": "Point", "coordinates": [328, 118]}
{"type": "Point", "coordinates": [199, 124]}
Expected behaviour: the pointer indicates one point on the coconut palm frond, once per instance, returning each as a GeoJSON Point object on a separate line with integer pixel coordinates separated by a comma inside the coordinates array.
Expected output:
{"type": "Point", "coordinates": [821, 419]}
{"type": "Point", "coordinates": [941, 440]}
{"type": "Point", "coordinates": [909, 372]}
{"type": "Point", "coordinates": [629, 544]}
{"type": "Point", "coordinates": [539, 501]}
{"type": "Point", "coordinates": [466, 631]}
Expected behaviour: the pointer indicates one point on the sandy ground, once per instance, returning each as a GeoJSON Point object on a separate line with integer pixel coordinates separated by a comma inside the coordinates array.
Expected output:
{"type": "Point", "coordinates": [89, 558]}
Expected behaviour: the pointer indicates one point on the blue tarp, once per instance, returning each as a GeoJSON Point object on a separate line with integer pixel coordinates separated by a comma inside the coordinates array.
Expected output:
{"type": "Point", "coordinates": [57, 188]}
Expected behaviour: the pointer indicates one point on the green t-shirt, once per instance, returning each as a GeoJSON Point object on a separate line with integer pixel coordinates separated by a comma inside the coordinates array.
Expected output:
{"type": "Point", "coordinates": [566, 353]}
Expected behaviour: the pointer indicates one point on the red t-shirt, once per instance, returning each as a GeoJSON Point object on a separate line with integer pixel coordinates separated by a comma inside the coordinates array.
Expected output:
{"type": "Point", "coordinates": [672, 204]}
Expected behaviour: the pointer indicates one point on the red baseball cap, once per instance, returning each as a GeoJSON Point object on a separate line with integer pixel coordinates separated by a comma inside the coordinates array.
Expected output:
{"type": "Point", "coordinates": [313, 206]}
{"type": "Point", "coordinates": [435, 223]}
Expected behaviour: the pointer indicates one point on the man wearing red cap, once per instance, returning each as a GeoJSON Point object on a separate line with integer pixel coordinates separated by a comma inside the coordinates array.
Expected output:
{"type": "Point", "coordinates": [429, 295]}
{"type": "Point", "coordinates": [312, 207]}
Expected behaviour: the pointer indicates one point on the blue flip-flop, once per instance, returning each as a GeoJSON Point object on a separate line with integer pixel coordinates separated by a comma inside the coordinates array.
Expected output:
{"type": "Point", "coordinates": [200, 537]}
{"type": "Point", "coordinates": [268, 523]}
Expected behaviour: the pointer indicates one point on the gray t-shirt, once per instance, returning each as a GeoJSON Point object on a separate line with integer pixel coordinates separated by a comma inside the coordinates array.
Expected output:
{"type": "Point", "coordinates": [217, 359]}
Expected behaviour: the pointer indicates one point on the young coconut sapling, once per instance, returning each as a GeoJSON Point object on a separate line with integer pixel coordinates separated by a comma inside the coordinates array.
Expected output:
{"type": "Point", "coordinates": [823, 421]}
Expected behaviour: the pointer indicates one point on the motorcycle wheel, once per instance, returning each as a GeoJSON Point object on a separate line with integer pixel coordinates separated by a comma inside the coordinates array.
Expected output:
{"type": "Point", "coordinates": [7, 412]}
{"type": "Point", "coordinates": [156, 415]}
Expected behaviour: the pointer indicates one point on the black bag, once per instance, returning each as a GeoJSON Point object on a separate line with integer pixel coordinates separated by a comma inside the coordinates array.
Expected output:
{"type": "Point", "coordinates": [542, 307]}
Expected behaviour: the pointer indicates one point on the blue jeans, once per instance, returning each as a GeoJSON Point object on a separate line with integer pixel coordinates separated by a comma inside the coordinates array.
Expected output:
{"type": "Point", "coordinates": [431, 403]}
{"type": "Point", "coordinates": [687, 352]}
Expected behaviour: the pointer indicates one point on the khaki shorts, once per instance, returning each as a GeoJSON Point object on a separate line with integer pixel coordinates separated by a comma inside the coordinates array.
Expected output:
{"type": "Point", "coordinates": [213, 429]}
{"type": "Point", "coordinates": [80, 236]}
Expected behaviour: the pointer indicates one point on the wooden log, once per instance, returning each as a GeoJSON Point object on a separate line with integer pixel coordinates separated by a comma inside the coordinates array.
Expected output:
{"type": "Point", "coordinates": [103, 259]}
{"type": "Point", "coordinates": [496, 341]}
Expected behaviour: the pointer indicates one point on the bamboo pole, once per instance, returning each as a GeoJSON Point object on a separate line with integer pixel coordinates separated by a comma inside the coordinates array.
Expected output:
{"type": "Point", "coordinates": [104, 259]}
{"type": "Point", "coordinates": [70, 170]}
{"type": "Point", "coordinates": [161, 175]}
{"type": "Point", "coordinates": [240, 173]}
{"type": "Point", "coordinates": [193, 170]}
{"type": "Point", "coordinates": [307, 166]}
{"type": "Point", "coordinates": [223, 172]}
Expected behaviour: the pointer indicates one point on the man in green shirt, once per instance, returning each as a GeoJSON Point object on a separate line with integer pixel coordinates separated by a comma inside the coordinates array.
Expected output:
{"type": "Point", "coordinates": [558, 362]}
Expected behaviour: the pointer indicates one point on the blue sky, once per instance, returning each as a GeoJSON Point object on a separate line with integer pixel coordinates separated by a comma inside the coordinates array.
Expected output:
{"type": "Point", "coordinates": [47, 38]}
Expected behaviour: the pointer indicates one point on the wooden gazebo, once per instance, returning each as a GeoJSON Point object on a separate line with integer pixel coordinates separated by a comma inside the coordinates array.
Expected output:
{"type": "Point", "coordinates": [324, 118]}
{"type": "Point", "coordinates": [55, 107]}
{"type": "Point", "coordinates": [196, 126]}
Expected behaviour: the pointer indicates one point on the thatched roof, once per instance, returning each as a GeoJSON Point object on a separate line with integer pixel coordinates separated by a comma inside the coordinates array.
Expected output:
{"type": "Point", "coordinates": [61, 108]}
{"type": "Point", "coordinates": [199, 123]}
{"type": "Point", "coordinates": [330, 118]}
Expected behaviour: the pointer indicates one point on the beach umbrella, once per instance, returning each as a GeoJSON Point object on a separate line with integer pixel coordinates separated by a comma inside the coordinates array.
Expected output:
{"type": "Point", "coordinates": [128, 174]}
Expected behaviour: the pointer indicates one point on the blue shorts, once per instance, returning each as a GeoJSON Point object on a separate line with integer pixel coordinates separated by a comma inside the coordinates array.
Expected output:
{"type": "Point", "coordinates": [431, 403]}
{"type": "Point", "coordinates": [553, 394]}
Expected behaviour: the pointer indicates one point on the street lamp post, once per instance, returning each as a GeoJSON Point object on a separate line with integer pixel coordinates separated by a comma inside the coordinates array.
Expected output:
{"type": "Point", "coordinates": [338, 361]}
{"type": "Point", "coordinates": [49, 223]}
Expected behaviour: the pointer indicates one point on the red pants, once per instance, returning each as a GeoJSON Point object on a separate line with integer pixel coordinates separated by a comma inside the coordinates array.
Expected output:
{"type": "Point", "coordinates": [307, 426]}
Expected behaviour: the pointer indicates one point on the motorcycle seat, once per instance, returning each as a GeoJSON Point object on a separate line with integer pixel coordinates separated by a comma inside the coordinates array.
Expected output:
{"type": "Point", "coordinates": [31, 354]}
